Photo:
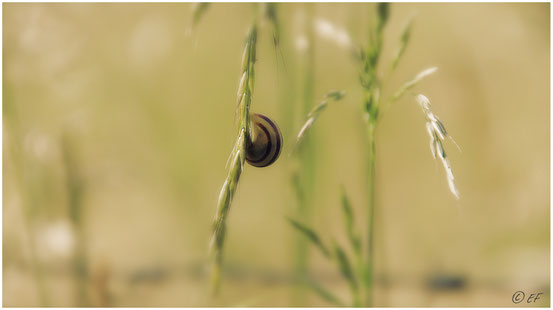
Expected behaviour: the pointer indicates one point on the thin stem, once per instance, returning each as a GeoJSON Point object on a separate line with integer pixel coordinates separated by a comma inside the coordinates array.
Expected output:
{"type": "Point", "coordinates": [237, 157]}
{"type": "Point", "coordinates": [371, 130]}
{"type": "Point", "coordinates": [371, 104]}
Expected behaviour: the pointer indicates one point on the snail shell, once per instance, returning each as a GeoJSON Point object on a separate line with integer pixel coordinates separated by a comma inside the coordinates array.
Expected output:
{"type": "Point", "coordinates": [266, 142]}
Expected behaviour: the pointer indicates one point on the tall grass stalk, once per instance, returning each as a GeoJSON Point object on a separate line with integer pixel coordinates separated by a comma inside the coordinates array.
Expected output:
{"type": "Point", "coordinates": [290, 91]}
{"type": "Point", "coordinates": [371, 173]}
{"type": "Point", "coordinates": [360, 274]}
{"type": "Point", "coordinates": [237, 157]}
{"type": "Point", "coordinates": [349, 270]}
{"type": "Point", "coordinates": [371, 103]}
{"type": "Point", "coordinates": [334, 253]}
{"type": "Point", "coordinates": [372, 84]}
{"type": "Point", "coordinates": [296, 82]}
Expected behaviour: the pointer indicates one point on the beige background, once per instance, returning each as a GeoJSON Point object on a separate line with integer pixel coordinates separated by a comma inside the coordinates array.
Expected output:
{"type": "Point", "coordinates": [151, 112]}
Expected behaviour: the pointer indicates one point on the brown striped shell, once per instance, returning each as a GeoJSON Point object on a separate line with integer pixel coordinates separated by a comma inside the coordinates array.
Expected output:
{"type": "Point", "coordinates": [264, 147]}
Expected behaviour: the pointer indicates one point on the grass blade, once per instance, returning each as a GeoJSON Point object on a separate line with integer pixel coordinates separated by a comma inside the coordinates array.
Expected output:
{"type": "Point", "coordinates": [316, 112]}
{"type": "Point", "coordinates": [353, 237]}
{"type": "Point", "coordinates": [411, 83]}
{"type": "Point", "coordinates": [238, 157]}
{"type": "Point", "coordinates": [324, 293]}
{"type": "Point", "coordinates": [311, 235]}
{"type": "Point", "coordinates": [403, 42]}
{"type": "Point", "coordinates": [345, 266]}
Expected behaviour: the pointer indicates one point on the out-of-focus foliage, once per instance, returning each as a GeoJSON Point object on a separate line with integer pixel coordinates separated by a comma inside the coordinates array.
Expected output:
{"type": "Point", "coordinates": [150, 108]}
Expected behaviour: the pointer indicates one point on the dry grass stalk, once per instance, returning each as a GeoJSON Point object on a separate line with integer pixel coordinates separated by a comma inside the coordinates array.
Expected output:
{"type": "Point", "coordinates": [411, 83]}
{"type": "Point", "coordinates": [351, 272]}
{"type": "Point", "coordinates": [236, 159]}
{"type": "Point", "coordinates": [437, 133]}
{"type": "Point", "coordinates": [316, 112]}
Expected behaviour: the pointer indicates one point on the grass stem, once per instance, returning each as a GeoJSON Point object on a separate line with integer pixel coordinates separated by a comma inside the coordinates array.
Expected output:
{"type": "Point", "coordinates": [371, 158]}
{"type": "Point", "coordinates": [237, 157]}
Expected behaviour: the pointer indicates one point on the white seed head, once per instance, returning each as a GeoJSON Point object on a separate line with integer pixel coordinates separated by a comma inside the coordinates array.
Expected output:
{"type": "Point", "coordinates": [426, 73]}
{"type": "Point", "coordinates": [430, 130]}
{"type": "Point", "coordinates": [306, 126]}
{"type": "Point", "coordinates": [441, 126]}
{"type": "Point", "coordinates": [432, 136]}
{"type": "Point", "coordinates": [453, 188]}
{"type": "Point", "coordinates": [438, 130]}
{"type": "Point", "coordinates": [423, 102]}
{"type": "Point", "coordinates": [437, 133]}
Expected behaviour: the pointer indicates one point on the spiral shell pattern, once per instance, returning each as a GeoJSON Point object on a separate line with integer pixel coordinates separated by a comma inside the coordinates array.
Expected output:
{"type": "Point", "coordinates": [264, 148]}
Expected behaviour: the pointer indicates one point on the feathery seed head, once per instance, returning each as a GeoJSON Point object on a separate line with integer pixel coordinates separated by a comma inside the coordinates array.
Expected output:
{"type": "Point", "coordinates": [423, 102]}
{"type": "Point", "coordinates": [437, 133]}
{"type": "Point", "coordinates": [426, 73]}
{"type": "Point", "coordinates": [237, 156]}
{"type": "Point", "coordinates": [411, 83]}
{"type": "Point", "coordinates": [316, 111]}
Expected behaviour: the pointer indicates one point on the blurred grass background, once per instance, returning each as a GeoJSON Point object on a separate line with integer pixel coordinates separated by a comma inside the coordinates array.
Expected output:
{"type": "Point", "coordinates": [148, 112]}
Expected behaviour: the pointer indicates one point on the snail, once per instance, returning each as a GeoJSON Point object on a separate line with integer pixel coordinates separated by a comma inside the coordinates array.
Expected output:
{"type": "Point", "coordinates": [265, 144]}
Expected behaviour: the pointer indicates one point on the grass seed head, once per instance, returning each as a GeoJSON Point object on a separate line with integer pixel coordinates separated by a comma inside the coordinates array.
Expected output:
{"type": "Point", "coordinates": [437, 133]}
